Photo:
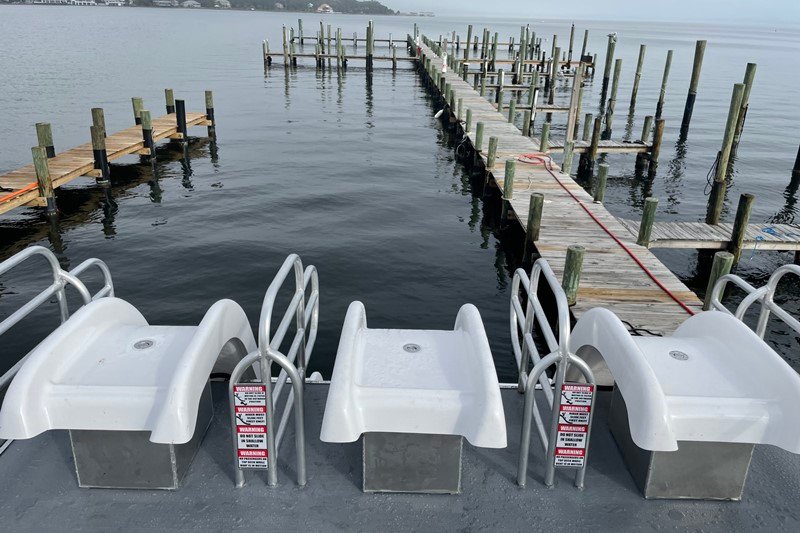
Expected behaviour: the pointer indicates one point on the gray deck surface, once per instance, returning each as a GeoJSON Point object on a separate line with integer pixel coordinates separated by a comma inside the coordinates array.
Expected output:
{"type": "Point", "coordinates": [39, 491]}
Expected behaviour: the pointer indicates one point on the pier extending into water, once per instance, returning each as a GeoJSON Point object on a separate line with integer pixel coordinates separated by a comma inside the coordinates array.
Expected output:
{"type": "Point", "coordinates": [35, 184]}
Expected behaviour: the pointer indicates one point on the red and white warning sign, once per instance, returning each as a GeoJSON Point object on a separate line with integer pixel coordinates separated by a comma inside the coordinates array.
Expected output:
{"type": "Point", "coordinates": [250, 410]}
{"type": "Point", "coordinates": [573, 424]}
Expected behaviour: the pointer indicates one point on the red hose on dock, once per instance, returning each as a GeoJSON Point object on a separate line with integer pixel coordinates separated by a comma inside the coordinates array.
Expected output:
{"type": "Point", "coordinates": [545, 160]}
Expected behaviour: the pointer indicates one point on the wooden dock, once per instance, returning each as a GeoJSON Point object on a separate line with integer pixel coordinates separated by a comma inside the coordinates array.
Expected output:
{"type": "Point", "coordinates": [20, 187]}
{"type": "Point", "coordinates": [701, 236]}
{"type": "Point", "coordinates": [610, 278]}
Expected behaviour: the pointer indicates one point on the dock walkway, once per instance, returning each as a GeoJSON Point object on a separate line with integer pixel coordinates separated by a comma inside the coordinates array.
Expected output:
{"type": "Point", "coordinates": [18, 187]}
{"type": "Point", "coordinates": [610, 277]}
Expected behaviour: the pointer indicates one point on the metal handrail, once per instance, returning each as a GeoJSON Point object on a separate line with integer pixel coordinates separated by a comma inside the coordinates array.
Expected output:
{"type": "Point", "coordinates": [61, 279]}
{"type": "Point", "coordinates": [303, 308]}
{"type": "Point", "coordinates": [523, 323]}
{"type": "Point", "coordinates": [764, 296]}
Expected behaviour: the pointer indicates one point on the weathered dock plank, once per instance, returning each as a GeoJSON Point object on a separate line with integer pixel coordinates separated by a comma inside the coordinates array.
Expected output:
{"type": "Point", "coordinates": [701, 236]}
{"type": "Point", "coordinates": [610, 277]}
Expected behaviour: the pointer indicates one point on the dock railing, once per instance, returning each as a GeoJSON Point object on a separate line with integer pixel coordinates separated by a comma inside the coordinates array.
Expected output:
{"type": "Point", "coordinates": [525, 351]}
{"type": "Point", "coordinates": [61, 280]}
{"type": "Point", "coordinates": [303, 310]}
{"type": "Point", "coordinates": [764, 296]}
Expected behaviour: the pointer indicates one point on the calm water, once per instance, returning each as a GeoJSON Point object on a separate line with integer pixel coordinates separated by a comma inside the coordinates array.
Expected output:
{"type": "Point", "coordinates": [353, 174]}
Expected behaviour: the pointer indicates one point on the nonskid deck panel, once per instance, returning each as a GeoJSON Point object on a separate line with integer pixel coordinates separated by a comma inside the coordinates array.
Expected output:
{"type": "Point", "coordinates": [39, 491]}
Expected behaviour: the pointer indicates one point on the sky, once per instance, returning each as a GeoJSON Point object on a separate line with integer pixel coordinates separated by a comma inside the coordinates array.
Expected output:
{"type": "Point", "coordinates": [701, 11]}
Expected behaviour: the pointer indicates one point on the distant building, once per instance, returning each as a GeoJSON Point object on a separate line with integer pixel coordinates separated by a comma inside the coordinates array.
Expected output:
{"type": "Point", "coordinates": [222, 4]}
{"type": "Point", "coordinates": [191, 4]}
{"type": "Point", "coordinates": [324, 8]}
{"type": "Point", "coordinates": [278, 5]}
{"type": "Point", "coordinates": [165, 3]}
{"type": "Point", "coordinates": [115, 3]}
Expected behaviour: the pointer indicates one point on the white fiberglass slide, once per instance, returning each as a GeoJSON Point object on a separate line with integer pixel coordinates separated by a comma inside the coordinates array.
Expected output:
{"type": "Point", "coordinates": [415, 381]}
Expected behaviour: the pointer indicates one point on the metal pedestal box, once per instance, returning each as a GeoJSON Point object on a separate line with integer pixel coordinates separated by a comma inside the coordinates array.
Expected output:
{"type": "Point", "coordinates": [697, 470]}
{"type": "Point", "coordinates": [412, 462]}
{"type": "Point", "coordinates": [128, 460]}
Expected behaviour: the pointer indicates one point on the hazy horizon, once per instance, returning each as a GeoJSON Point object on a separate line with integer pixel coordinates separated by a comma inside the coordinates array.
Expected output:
{"type": "Point", "coordinates": [778, 12]}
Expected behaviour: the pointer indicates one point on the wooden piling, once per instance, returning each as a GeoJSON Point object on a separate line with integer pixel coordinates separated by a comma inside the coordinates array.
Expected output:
{"type": "Point", "coordinates": [552, 78]}
{"type": "Point", "coordinates": [648, 218]}
{"type": "Point", "coordinates": [717, 199]}
{"type": "Point", "coordinates": [468, 121]}
{"type": "Point", "coordinates": [300, 30]}
{"type": "Point", "coordinates": [210, 113]}
{"type": "Point", "coordinates": [574, 102]}
{"type": "Point", "coordinates": [169, 97]}
{"type": "Point", "coordinates": [566, 164]}
{"type": "Point", "coordinates": [638, 76]}
{"type": "Point", "coordinates": [723, 262]}
{"type": "Point", "coordinates": [572, 272]}
{"type": "Point", "coordinates": [743, 211]}
{"type": "Point", "coordinates": [612, 101]}
{"type": "Point", "coordinates": [534, 223]}
{"type": "Point", "coordinates": [662, 94]}
{"type": "Point", "coordinates": [587, 127]}
{"type": "Point", "coordinates": [478, 144]}
{"type": "Point", "coordinates": [180, 119]}
{"type": "Point", "coordinates": [100, 155]}
{"type": "Point", "coordinates": [508, 187]}
{"type": "Point", "coordinates": [544, 145]}
{"type": "Point", "coordinates": [571, 42]}
{"type": "Point", "coordinates": [491, 156]}
{"type": "Point", "coordinates": [655, 150]}
{"type": "Point", "coordinates": [285, 49]}
{"type": "Point", "coordinates": [612, 43]}
{"type": "Point", "coordinates": [526, 123]}
{"type": "Point", "coordinates": [44, 134]}
{"type": "Point", "coordinates": [512, 110]}
{"type": "Point", "coordinates": [585, 43]}
{"type": "Point", "coordinates": [595, 140]}
{"type": "Point", "coordinates": [600, 186]}
{"type": "Point", "coordinates": [469, 40]}
{"type": "Point", "coordinates": [43, 179]}
{"type": "Point", "coordinates": [699, 53]}
{"type": "Point", "coordinates": [138, 105]}
{"type": "Point", "coordinates": [796, 169]}
{"type": "Point", "coordinates": [749, 76]}
{"type": "Point", "coordinates": [147, 133]}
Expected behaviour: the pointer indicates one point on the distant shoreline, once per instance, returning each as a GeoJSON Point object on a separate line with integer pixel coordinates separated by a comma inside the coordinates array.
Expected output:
{"type": "Point", "coordinates": [394, 14]}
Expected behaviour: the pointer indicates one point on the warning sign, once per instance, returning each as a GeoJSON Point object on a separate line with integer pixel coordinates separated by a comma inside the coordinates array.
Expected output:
{"type": "Point", "coordinates": [573, 424]}
{"type": "Point", "coordinates": [250, 410]}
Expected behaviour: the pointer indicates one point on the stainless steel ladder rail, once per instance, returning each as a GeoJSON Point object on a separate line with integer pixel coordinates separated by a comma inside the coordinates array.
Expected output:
{"type": "Point", "coordinates": [522, 323]}
{"type": "Point", "coordinates": [303, 309]}
{"type": "Point", "coordinates": [764, 296]}
{"type": "Point", "coordinates": [61, 279]}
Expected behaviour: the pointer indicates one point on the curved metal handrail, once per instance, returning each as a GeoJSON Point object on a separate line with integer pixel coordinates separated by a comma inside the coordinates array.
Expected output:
{"type": "Point", "coordinates": [303, 308]}
{"type": "Point", "coordinates": [765, 296]}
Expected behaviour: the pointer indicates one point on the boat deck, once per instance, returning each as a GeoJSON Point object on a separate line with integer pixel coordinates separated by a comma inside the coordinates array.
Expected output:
{"type": "Point", "coordinates": [39, 490]}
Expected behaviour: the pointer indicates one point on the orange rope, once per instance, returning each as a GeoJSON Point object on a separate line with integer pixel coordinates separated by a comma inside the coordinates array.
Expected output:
{"type": "Point", "coordinates": [19, 192]}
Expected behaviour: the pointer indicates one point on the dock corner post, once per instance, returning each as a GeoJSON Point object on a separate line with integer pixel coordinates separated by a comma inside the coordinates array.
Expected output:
{"type": "Point", "coordinates": [508, 188]}
{"type": "Point", "coordinates": [716, 200]}
{"type": "Point", "coordinates": [740, 226]}
{"type": "Point", "coordinates": [648, 218]}
{"type": "Point", "coordinates": [43, 179]}
{"type": "Point", "coordinates": [544, 141]}
{"type": "Point", "coordinates": [100, 155]}
{"type": "Point", "coordinates": [655, 150]}
{"type": "Point", "coordinates": [699, 52]}
{"type": "Point", "coordinates": [138, 105]}
{"type": "Point", "coordinates": [492, 153]}
{"type": "Point", "coordinates": [169, 96]}
{"type": "Point", "coordinates": [723, 262]}
{"type": "Point", "coordinates": [180, 119]}
{"type": "Point", "coordinates": [212, 123]}
{"type": "Point", "coordinates": [147, 134]}
{"type": "Point", "coordinates": [572, 272]}
{"type": "Point", "coordinates": [44, 135]}
{"type": "Point", "coordinates": [600, 186]}
{"type": "Point", "coordinates": [534, 225]}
